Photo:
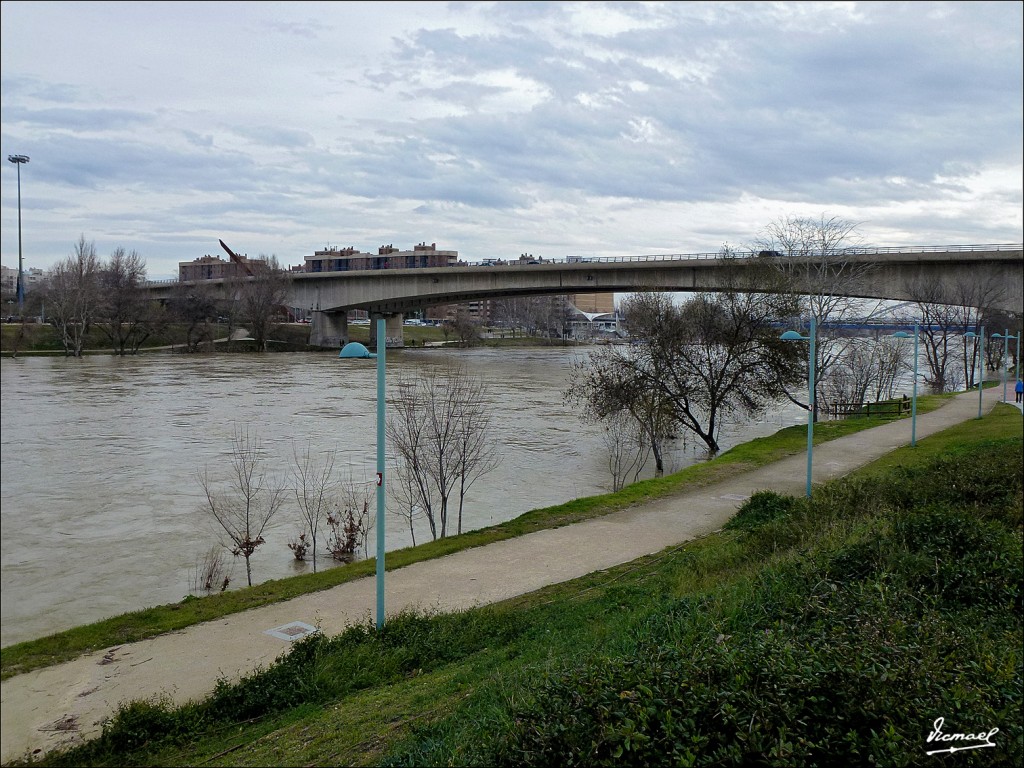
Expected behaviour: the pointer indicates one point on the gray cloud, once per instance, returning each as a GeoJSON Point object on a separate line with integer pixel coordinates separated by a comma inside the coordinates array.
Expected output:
{"type": "Point", "coordinates": [569, 126]}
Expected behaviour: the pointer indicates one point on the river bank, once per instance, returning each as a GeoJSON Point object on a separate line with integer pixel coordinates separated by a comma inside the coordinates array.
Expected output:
{"type": "Point", "coordinates": [742, 458]}
{"type": "Point", "coordinates": [128, 663]}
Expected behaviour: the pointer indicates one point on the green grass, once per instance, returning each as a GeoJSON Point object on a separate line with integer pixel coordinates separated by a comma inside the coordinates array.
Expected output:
{"type": "Point", "coordinates": [138, 625]}
{"type": "Point", "coordinates": [808, 632]}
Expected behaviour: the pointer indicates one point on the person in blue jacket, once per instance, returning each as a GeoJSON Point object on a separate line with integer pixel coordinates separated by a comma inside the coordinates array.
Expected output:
{"type": "Point", "coordinates": [1019, 389]}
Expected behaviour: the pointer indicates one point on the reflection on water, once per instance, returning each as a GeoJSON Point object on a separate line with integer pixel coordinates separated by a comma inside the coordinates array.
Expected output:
{"type": "Point", "coordinates": [99, 458]}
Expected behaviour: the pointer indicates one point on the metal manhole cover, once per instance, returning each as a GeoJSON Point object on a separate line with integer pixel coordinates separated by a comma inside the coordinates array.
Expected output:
{"type": "Point", "coordinates": [292, 631]}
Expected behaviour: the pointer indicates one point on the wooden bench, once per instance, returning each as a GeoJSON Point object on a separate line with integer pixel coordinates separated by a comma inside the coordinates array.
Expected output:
{"type": "Point", "coordinates": [884, 408]}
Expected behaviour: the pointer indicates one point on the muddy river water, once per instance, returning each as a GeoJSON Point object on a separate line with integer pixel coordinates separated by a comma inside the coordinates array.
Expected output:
{"type": "Point", "coordinates": [99, 460]}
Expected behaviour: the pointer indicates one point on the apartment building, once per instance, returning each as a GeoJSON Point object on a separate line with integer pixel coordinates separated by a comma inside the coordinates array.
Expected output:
{"type": "Point", "coordinates": [214, 267]}
{"type": "Point", "coordinates": [334, 259]}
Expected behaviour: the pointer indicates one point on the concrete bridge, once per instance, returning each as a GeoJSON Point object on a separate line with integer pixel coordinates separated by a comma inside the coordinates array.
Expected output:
{"type": "Point", "coordinates": [393, 292]}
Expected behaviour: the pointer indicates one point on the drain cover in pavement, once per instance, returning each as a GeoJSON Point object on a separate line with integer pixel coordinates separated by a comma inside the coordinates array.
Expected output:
{"type": "Point", "coordinates": [292, 631]}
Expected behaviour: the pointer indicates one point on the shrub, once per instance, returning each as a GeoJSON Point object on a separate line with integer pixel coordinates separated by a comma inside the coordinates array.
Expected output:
{"type": "Point", "coordinates": [761, 508]}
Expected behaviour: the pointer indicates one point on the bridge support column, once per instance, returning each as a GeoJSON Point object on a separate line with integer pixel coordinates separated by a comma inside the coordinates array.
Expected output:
{"type": "Point", "coordinates": [329, 329]}
{"type": "Point", "coordinates": [393, 328]}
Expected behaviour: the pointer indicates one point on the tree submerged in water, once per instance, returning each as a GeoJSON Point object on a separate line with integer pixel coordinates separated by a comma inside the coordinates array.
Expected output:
{"type": "Point", "coordinates": [439, 427]}
{"type": "Point", "coordinates": [690, 365]}
{"type": "Point", "coordinates": [348, 528]}
{"type": "Point", "coordinates": [252, 497]}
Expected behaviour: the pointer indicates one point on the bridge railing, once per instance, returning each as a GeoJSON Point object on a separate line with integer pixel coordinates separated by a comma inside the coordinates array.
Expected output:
{"type": "Point", "coordinates": [704, 256]}
{"type": "Point", "coordinates": [870, 250]}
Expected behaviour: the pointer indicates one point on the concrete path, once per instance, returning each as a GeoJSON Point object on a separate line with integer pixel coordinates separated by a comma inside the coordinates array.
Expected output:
{"type": "Point", "coordinates": [62, 704]}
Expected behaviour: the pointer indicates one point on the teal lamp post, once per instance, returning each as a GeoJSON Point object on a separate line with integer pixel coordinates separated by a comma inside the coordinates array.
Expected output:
{"type": "Point", "coordinates": [913, 402]}
{"type": "Point", "coordinates": [356, 350]}
{"type": "Point", "coordinates": [981, 360]}
{"type": "Point", "coordinates": [1016, 375]}
{"type": "Point", "coordinates": [1005, 336]}
{"type": "Point", "coordinates": [795, 336]}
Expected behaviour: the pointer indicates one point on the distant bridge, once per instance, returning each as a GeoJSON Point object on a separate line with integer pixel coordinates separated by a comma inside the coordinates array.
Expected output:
{"type": "Point", "coordinates": [393, 292]}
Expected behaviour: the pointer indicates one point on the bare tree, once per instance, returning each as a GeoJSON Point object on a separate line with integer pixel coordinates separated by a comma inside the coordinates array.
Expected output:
{"type": "Point", "coordinates": [262, 300]}
{"type": "Point", "coordinates": [211, 573]}
{"type": "Point", "coordinates": [890, 358]}
{"type": "Point", "coordinates": [438, 427]}
{"type": "Point", "coordinates": [251, 499]}
{"type": "Point", "coordinates": [127, 314]}
{"type": "Point", "coordinates": [464, 326]}
{"type": "Point", "coordinates": [604, 390]}
{"type": "Point", "coordinates": [405, 493]}
{"type": "Point", "coordinates": [349, 521]}
{"type": "Point", "coordinates": [73, 296]}
{"type": "Point", "coordinates": [974, 299]}
{"type": "Point", "coordinates": [946, 311]}
{"type": "Point", "coordinates": [811, 255]}
{"type": "Point", "coordinates": [547, 316]}
{"type": "Point", "coordinates": [315, 489]}
{"type": "Point", "coordinates": [407, 433]}
{"type": "Point", "coordinates": [626, 445]}
{"type": "Point", "coordinates": [868, 372]}
{"type": "Point", "coordinates": [475, 450]}
{"type": "Point", "coordinates": [939, 324]}
{"type": "Point", "coordinates": [510, 313]}
{"type": "Point", "coordinates": [196, 306]}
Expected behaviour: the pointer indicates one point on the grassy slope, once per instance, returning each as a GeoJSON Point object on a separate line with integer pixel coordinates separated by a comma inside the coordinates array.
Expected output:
{"type": "Point", "coordinates": [370, 695]}
{"type": "Point", "coordinates": [137, 625]}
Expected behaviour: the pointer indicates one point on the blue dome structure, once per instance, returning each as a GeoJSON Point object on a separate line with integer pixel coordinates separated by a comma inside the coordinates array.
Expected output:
{"type": "Point", "coordinates": [355, 349]}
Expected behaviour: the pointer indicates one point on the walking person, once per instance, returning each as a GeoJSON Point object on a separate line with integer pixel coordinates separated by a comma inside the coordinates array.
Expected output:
{"type": "Point", "coordinates": [1019, 391]}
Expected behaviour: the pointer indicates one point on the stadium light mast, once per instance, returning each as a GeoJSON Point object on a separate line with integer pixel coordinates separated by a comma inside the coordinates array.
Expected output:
{"type": "Point", "coordinates": [19, 160]}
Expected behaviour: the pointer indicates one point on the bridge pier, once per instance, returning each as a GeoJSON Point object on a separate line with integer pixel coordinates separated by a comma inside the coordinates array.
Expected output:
{"type": "Point", "coordinates": [329, 329]}
{"type": "Point", "coordinates": [394, 333]}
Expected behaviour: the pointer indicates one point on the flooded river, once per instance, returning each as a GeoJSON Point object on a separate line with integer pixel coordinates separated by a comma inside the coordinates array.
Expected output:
{"type": "Point", "coordinates": [99, 460]}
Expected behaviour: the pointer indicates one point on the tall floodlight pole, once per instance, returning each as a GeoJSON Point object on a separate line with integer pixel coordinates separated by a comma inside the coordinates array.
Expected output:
{"type": "Point", "coordinates": [795, 336]}
{"type": "Point", "coordinates": [19, 160]}
{"type": "Point", "coordinates": [913, 402]}
{"type": "Point", "coordinates": [356, 350]}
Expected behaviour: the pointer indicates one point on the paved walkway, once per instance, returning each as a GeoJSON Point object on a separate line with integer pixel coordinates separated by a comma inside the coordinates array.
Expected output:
{"type": "Point", "coordinates": [58, 705]}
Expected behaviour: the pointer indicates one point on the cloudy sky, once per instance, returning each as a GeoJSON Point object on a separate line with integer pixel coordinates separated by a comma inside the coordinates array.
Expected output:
{"type": "Point", "coordinates": [500, 128]}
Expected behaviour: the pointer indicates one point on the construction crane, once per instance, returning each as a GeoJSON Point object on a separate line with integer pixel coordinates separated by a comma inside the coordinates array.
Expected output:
{"type": "Point", "coordinates": [239, 260]}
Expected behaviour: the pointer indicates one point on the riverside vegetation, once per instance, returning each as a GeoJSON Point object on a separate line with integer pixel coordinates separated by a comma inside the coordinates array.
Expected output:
{"type": "Point", "coordinates": [826, 631]}
{"type": "Point", "coordinates": [37, 339]}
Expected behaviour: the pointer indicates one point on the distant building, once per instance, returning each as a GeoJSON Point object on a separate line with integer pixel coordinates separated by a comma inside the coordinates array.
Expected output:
{"type": "Point", "coordinates": [335, 259]}
{"type": "Point", "coordinates": [593, 303]}
{"type": "Point", "coordinates": [588, 325]}
{"type": "Point", "coordinates": [214, 268]}
{"type": "Point", "coordinates": [9, 278]}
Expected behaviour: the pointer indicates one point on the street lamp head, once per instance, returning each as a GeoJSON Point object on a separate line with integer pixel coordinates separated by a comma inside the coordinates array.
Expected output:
{"type": "Point", "coordinates": [355, 349]}
{"type": "Point", "coordinates": [18, 158]}
{"type": "Point", "coordinates": [902, 335]}
{"type": "Point", "coordinates": [793, 336]}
